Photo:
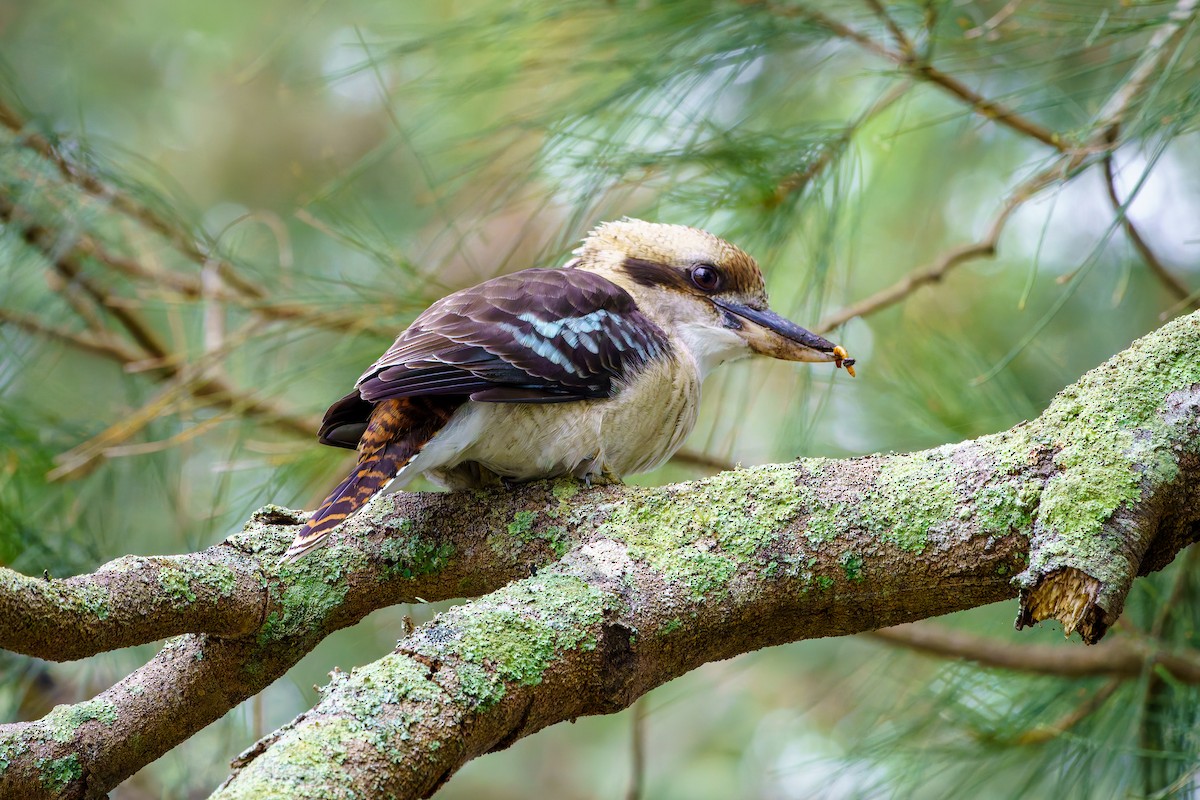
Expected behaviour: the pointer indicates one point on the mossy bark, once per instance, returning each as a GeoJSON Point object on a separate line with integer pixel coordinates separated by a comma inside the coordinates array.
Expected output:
{"type": "Point", "coordinates": [667, 579]}
{"type": "Point", "coordinates": [634, 587]}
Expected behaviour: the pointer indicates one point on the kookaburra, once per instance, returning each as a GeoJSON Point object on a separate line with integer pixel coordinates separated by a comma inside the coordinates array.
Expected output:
{"type": "Point", "coordinates": [590, 370]}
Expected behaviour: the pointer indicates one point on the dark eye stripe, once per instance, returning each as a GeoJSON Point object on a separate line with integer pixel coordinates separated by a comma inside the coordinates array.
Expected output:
{"type": "Point", "coordinates": [652, 273]}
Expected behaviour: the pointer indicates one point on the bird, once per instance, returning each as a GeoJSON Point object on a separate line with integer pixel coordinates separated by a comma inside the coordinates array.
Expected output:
{"type": "Point", "coordinates": [591, 370]}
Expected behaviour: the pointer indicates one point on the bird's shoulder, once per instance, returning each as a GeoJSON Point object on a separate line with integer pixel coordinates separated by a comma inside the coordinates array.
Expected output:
{"type": "Point", "coordinates": [540, 335]}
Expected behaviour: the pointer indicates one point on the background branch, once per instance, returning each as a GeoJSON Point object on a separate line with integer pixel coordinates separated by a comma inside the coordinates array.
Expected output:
{"type": "Point", "coordinates": [1121, 657]}
{"type": "Point", "coordinates": [1164, 275]}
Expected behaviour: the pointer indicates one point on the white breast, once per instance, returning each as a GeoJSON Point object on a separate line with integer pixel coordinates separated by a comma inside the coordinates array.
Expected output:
{"type": "Point", "coordinates": [634, 431]}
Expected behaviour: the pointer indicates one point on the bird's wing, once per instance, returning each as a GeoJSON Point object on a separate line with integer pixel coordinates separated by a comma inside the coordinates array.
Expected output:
{"type": "Point", "coordinates": [536, 336]}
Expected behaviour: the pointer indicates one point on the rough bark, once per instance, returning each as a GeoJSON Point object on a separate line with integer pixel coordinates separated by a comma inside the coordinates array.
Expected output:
{"type": "Point", "coordinates": [635, 587]}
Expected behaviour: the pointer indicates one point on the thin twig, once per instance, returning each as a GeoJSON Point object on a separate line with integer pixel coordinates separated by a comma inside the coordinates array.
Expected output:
{"type": "Point", "coordinates": [166, 365]}
{"type": "Point", "coordinates": [1113, 112]}
{"type": "Point", "coordinates": [213, 391]}
{"type": "Point", "coordinates": [901, 38]}
{"type": "Point", "coordinates": [1118, 658]}
{"type": "Point", "coordinates": [192, 379]}
{"type": "Point", "coordinates": [1096, 701]}
{"type": "Point", "coordinates": [1070, 163]}
{"type": "Point", "coordinates": [183, 241]}
{"type": "Point", "coordinates": [909, 283]}
{"type": "Point", "coordinates": [698, 458]}
{"type": "Point", "coordinates": [837, 28]}
{"type": "Point", "coordinates": [637, 747]}
{"type": "Point", "coordinates": [797, 181]}
{"type": "Point", "coordinates": [67, 262]}
{"type": "Point", "coordinates": [1164, 275]}
{"type": "Point", "coordinates": [946, 262]}
{"type": "Point", "coordinates": [245, 294]}
{"type": "Point", "coordinates": [981, 105]}
{"type": "Point", "coordinates": [90, 341]}
{"type": "Point", "coordinates": [991, 109]}
{"type": "Point", "coordinates": [988, 28]}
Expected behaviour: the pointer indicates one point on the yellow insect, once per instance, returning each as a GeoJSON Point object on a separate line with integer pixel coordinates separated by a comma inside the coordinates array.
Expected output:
{"type": "Point", "coordinates": [842, 359]}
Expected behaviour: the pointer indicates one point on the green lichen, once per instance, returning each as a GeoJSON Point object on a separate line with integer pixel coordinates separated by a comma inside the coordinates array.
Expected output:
{"type": "Point", "coordinates": [565, 488]}
{"type": "Point", "coordinates": [480, 687]}
{"type": "Point", "coordinates": [179, 583]}
{"type": "Point", "coordinates": [411, 554]}
{"type": "Point", "coordinates": [672, 626]}
{"type": "Point", "coordinates": [303, 763]}
{"type": "Point", "coordinates": [514, 634]}
{"type": "Point", "coordinates": [823, 582]}
{"type": "Point", "coordinates": [381, 514]}
{"type": "Point", "coordinates": [558, 539]}
{"type": "Point", "coordinates": [914, 494]}
{"type": "Point", "coordinates": [272, 514]}
{"type": "Point", "coordinates": [852, 564]}
{"type": "Point", "coordinates": [509, 637]}
{"type": "Point", "coordinates": [64, 721]}
{"type": "Point", "coordinates": [1006, 507]}
{"type": "Point", "coordinates": [825, 523]}
{"type": "Point", "coordinates": [1109, 435]}
{"type": "Point", "coordinates": [221, 578]}
{"type": "Point", "coordinates": [701, 533]}
{"type": "Point", "coordinates": [93, 599]}
{"type": "Point", "coordinates": [56, 774]}
{"type": "Point", "coordinates": [177, 587]}
{"type": "Point", "coordinates": [523, 528]}
{"type": "Point", "coordinates": [365, 695]}
{"type": "Point", "coordinates": [11, 748]}
{"type": "Point", "coordinates": [311, 589]}
{"type": "Point", "coordinates": [522, 523]}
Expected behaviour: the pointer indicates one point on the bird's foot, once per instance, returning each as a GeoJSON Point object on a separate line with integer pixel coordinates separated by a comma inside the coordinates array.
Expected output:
{"type": "Point", "coordinates": [593, 473]}
{"type": "Point", "coordinates": [593, 479]}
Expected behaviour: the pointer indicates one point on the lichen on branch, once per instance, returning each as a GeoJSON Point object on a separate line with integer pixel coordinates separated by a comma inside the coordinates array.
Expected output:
{"type": "Point", "coordinates": [633, 586]}
{"type": "Point", "coordinates": [665, 579]}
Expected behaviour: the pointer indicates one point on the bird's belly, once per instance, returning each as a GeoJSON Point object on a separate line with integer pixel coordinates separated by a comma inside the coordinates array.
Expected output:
{"type": "Point", "coordinates": [638, 429]}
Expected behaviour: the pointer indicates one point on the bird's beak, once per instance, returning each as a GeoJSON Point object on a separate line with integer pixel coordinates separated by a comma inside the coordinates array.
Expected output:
{"type": "Point", "coordinates": [769, 334]}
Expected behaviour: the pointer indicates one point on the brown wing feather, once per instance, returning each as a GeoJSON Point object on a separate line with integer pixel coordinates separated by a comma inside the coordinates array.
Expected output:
{"type": "Point", "coordinates": [397, 430]}
{"type": "Point", "coordinates": [536, 336]}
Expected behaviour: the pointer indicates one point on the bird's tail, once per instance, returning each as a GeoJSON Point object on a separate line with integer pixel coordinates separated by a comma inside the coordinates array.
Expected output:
{"type": "Point", "coordinates": [397, 430]}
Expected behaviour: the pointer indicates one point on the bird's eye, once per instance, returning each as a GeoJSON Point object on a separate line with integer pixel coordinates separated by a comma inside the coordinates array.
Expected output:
{"type": "Point", "coordinates": [706, 277]}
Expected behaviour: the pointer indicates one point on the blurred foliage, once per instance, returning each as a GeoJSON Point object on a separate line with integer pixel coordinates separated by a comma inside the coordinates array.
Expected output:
{"type": "Point", "coordinates": [342, 165]}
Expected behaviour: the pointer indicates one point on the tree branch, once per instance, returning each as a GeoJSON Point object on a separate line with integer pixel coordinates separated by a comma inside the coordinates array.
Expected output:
{"type": "Point", "coordinates": [180, 239]}
{"type": "Point", "coordinates": [924, 70]}
{"type": "Point", "coordinates": [1123, 658]}
{"type": "Point", "coordinates": [1164, 275]}
{"type": "Point", "coordinates": [130, 601]}
{"type": "Point", "coordinates": [1070, 161]}
{"type": "Point", "coordinates": [404, 548]}
{"type": "Point", "coordinates": [674, 577]}
{"type": "Point", "coordinates": [651, 583]}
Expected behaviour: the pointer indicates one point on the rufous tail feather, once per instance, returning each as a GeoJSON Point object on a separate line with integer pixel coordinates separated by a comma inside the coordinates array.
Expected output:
{"type": "Point", "coordinates": [397, 430]}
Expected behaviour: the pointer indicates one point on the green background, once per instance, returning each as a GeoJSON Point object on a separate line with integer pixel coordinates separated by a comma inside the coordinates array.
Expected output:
{"type": "Point", "coordinates": [361, 159]}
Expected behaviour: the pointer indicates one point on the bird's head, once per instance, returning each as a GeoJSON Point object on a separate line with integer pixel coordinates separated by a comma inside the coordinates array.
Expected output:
{"type": "Point", "coordinates": [704, 290]}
